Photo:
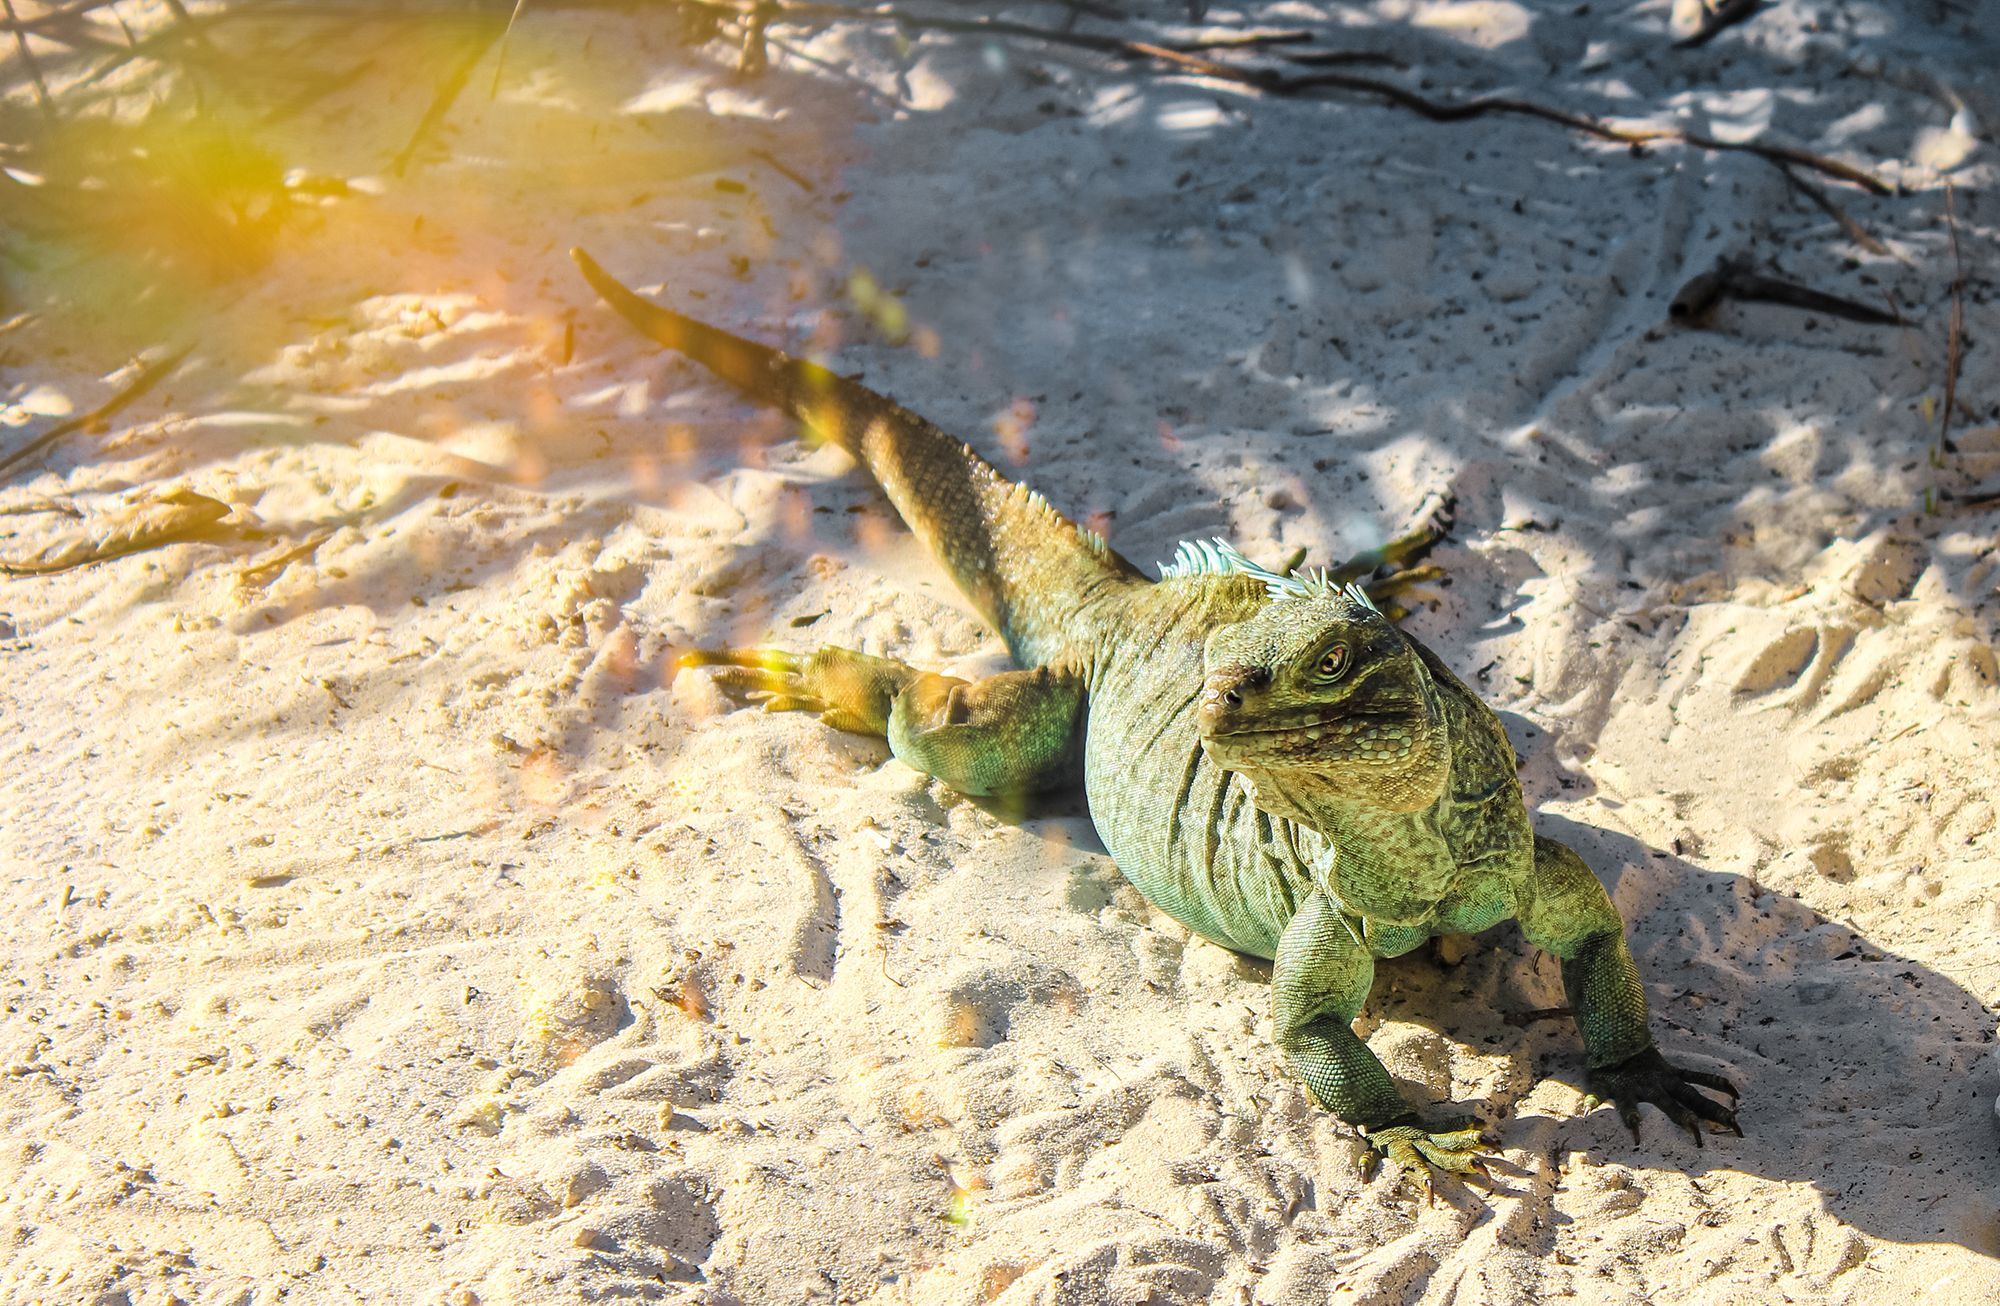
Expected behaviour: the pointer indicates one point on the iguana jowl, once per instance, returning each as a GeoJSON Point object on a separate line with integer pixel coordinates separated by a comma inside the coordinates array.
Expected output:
{"type": "Point", "coordinates": [1267, 758]}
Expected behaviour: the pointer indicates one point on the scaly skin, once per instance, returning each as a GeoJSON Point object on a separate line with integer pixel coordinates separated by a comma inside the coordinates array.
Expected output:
{"type": "Point", "coordinates": [1272, 763]}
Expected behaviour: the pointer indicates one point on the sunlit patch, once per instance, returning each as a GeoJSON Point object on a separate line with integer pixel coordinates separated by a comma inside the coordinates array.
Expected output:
{"type": "Point", "coordinates": [1190, 118]}
{"type": "Point", "coordinates": [40, 401]}
{"type": "Point", "coordinates": [878, 305]}
{"type": "Point", "coordinates": [1011, 427]}
{"type": "Point", "coordinates": [916, 1109]}
{"type": "Point", "coordinates": [998, 1278]}
{"type": "Point", "coordinates": [873, 531]}
{"type": "Point", "coordinates": [497, 444]}
{"type": "Point", "coordinates": [529, 466]}
{"type": "Point", "coordinates": [619, 658]}
{"type": "Point", "coordinates": [634, 399]}
{"type": "Point", "coordinates": [964, 1184]}
{"type": "Point", "coordinates": [687, 998]}
{"type": "Point", "coordinates": [1737, 116]}
{"type": "Point", "coordinates": [541, 778]}
{"type": "Point", "coordinates": [795, 515]}
{"type": "Point", "coordinates": [484, 1113]}
{"type": "Point", "coordinates": [1483, 23]}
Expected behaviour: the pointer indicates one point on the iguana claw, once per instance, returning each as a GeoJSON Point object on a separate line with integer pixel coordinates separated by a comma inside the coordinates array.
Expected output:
{"type": "Point", "coordinates": [1414, 1147]}
{"type": "Point", "coordinates": [849, 690]}
{"type": "Point", "coordinates": [1650, 1077]}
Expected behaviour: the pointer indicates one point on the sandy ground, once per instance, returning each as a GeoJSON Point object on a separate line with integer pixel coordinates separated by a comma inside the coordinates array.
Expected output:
{"type": "Point", "coordinates": [389, 922]}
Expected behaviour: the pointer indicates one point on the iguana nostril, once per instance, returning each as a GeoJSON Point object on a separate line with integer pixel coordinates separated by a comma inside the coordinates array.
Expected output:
{"type": "Point", "coordinates": [1225, 689]}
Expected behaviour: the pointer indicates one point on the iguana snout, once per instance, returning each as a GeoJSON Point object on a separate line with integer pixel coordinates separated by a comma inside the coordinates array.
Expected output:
{"type": "Point", "coordinates": [1230, 693]}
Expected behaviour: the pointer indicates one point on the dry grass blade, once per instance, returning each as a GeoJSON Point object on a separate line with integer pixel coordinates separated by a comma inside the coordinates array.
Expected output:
{"type": "Point", "coordinates": [778, 166]}
{"type": "Point", "coordinates": [262, 573]}
{"type": "Point", "coordinates": [447, 95]}
{"type": "Point", "coordinates": [146, 380]}
{"type": "Point", "coordinates": [500, 59]}
{"type": "Point", "coordinates": [28, 61]}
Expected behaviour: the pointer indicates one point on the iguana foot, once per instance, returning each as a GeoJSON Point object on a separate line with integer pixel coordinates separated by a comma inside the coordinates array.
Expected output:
{"type": "Point", "coordinates": [1434, 521]}
{"type": "Point", "coordinates": [849, 690]}
{"type": "Point", "coordinates": [1650, 1077]}
{"type": "Point", "coordinates": [1416, 1148]}
{"type": "Point", "coordinates": [1393, 567]}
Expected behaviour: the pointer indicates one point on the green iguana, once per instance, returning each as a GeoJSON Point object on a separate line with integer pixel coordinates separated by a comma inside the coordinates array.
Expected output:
{"type": "Point", "coordinates": [1267, 757]}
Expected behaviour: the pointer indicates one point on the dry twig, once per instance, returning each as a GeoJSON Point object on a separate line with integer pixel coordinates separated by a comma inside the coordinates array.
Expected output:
{"type": "Point", "coordinates": [28, 59]}
{"type": "Point", "coordinates": [260, 574]}
{"type": "Point", "coordinates": [778, 166]}
{"type": "Point", "coordinates": [1855, 231]}
{"type": "Point", "coordinates": [146, 380]}
{"type": "Point", "coordinates": [447, 95]}
{"type": "Point", "coordinates": [1272, 81]}
{"type": "Point", "coordinates": [1954, 348]}
{"type": "Point", "coordinates": [500, 59]}
{"type": "Point", "coordinates": [1715, 19]}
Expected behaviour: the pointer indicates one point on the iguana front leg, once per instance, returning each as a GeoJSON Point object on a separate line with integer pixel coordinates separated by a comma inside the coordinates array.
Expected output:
{"type": "Point", "coordinates": [1569, 914]}
{"type": "Point", "coordinates": [1319, 980]}
{"type": "Point", "coordinates": [1013, 733]}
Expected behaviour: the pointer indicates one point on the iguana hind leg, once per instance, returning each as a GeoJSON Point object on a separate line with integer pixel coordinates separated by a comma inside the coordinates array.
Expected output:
{"type": "Point", "coordinates": [1568, 913]}
{"type": "Point", "coordinates": [1012, 733]}
{"type": "Point", "coordinates": [1319, 980]}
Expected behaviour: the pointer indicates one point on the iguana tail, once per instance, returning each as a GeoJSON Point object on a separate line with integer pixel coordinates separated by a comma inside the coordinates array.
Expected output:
{"type": "Point", "coordinates": [1026, 567]}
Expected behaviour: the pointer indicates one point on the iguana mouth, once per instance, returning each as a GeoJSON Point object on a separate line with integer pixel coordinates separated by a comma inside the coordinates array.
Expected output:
{"type": "Point", "coordinates": [1346, 725]}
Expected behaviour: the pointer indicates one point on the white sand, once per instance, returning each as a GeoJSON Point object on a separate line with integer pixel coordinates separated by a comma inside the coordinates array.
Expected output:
{"type": "Point", "coordinates": [401, 929]}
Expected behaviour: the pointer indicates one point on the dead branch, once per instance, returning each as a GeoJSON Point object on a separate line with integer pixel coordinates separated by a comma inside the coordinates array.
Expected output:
{"type": "Point", "coordinates": [1954, 349]}
{"type": "Point", "coordinates": [1730, 279]}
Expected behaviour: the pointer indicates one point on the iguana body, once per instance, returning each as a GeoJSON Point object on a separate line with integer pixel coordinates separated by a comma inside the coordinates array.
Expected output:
{"type": "Point", "coordinates": [1268, 759]}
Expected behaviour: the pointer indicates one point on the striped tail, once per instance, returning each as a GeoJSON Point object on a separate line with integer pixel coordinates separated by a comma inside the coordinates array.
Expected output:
{"type": "Point", "coordinates": [1026, 567]}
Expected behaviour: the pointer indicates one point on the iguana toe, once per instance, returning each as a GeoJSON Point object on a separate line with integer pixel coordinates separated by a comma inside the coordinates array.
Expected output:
{"type": "Point", "coordinates": [1650, 1077]}
{"type": "Point", "coordinates": [850, 691]}
{"type": "Point", "coordinates": [771, 678]}
{"type": "Point", "coordinates": [1417, 1148]}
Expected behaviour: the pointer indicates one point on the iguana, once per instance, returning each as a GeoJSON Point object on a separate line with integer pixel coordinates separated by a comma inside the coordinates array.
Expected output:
{"type": "Point", "coordinates": [1267, 757]}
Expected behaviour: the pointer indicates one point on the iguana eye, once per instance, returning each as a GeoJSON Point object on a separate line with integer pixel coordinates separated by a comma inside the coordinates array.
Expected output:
{"type": "Point", "coordinates": [1332, 662]}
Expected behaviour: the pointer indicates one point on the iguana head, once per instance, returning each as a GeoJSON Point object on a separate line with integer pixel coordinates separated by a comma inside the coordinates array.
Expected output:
{"type": "Point", "coordinates": [1318, 700]}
